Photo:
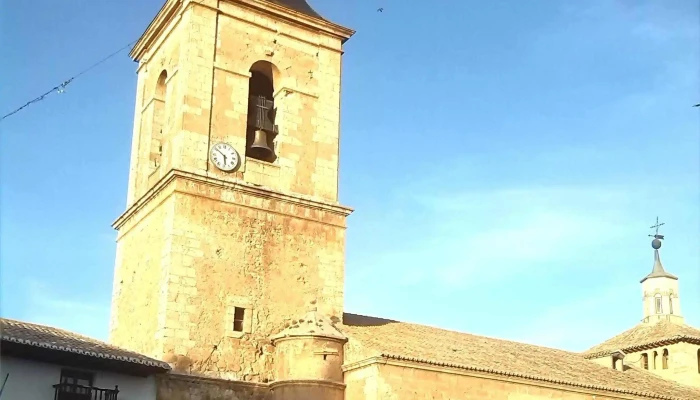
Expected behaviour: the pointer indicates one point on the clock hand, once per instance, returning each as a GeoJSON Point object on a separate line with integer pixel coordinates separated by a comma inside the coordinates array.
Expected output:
{"type": "Point", "coordinates": [222, 154]}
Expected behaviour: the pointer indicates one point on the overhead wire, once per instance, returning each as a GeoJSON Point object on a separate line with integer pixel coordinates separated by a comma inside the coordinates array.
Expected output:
{"type": "Point", "coordinates": [61, 88]}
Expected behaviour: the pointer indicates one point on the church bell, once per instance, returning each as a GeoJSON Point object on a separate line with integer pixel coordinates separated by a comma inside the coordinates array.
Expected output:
{"type": "Point", "coordinates": [259, 145]}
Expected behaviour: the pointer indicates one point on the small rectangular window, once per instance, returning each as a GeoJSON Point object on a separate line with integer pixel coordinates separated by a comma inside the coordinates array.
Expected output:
{"type": "Point", "coordinates": [238, 317]}
{"type": "Point", "coordinates": [670, 305]}
{"type": "Point", "coordinates": [658, 305]}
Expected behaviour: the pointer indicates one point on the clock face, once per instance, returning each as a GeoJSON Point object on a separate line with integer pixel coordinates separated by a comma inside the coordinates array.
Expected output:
{"type": "Point", "coordinates": [224, 157]}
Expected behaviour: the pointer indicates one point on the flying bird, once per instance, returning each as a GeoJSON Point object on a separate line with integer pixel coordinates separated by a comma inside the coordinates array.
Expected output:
{"type": "Point", "coordinates": [380, 9]}
{"type": "Point", "coordinates": [697, 105]}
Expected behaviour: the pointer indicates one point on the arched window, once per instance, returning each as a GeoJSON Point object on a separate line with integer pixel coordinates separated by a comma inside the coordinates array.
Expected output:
{"type": "Point", "coordinates": [670, 304]}
{"type": "Point", "coordinates": [645, 361]}
{"type": "Point", "coordinates": [664, 359]}
{"type": "Point", "coordinates": [261, 128]}
{"type": "Point", "coordinates": [653, 362]}
{"type": "Point", "coordinates": [657, 303]}
{"type": "Point", "coordinates": [159, 110]}
{"type": "Point", "coordinates": [160, 85]}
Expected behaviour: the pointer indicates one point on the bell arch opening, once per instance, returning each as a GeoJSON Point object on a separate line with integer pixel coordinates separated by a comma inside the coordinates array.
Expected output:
{"type": "Point", "coordinates": [261, 128]}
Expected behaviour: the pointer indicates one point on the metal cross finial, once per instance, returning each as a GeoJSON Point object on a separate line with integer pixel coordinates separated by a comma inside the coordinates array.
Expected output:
{"type": "Point", "coordinates": [656, 226]}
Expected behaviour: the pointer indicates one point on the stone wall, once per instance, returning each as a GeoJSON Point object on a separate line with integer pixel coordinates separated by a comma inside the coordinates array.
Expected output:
{"type": "Point", "coordinates": [385, 381]}
{"type": "Point", "coordinates": [306, 79]}
{"type": "Point", "coordinates": [187, 387]}
{"type": "Point", "coordinates": [155, 111]}
{"type": "Point", "coordinates": [231, 249]}
{"type": "Point", "coordinates": [682, 366]}
{"type": "Point", "coordinates": [137, 300]}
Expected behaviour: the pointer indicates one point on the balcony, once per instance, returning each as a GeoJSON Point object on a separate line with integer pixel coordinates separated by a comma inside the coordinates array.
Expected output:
{"type": "Point", "coordinates": [67, 391]}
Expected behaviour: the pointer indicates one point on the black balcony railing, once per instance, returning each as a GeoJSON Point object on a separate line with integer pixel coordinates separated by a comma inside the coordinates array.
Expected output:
{"type": "Point", "coordinates": [67, 391]}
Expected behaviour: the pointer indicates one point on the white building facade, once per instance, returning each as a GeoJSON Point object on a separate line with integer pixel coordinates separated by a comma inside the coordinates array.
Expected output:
{"type": "Point", "coordinates": [44, 363]}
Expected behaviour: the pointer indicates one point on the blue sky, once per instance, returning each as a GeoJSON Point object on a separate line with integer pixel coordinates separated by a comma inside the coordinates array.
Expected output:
{"type": "Point", "coordinates": [505, 160]}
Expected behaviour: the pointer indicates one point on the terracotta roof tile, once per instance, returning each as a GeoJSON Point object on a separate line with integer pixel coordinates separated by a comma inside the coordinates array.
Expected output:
{"type": "Point", "coordinates": [58, 339]}
{"type": "Point", "coordinates": [424, 344]}
{"type": "Point", "coordinates": [646, 335]}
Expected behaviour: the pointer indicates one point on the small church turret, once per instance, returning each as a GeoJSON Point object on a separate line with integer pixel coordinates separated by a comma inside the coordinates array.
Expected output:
{"type": "Point", "coordinates": [660, 288]}
{"type": "Point", "coordinates": [309, 359]}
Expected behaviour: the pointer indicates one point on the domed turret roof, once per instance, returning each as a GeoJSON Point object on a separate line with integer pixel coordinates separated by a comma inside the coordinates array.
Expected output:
{"type": "Point", "coordinates": [311, 324]}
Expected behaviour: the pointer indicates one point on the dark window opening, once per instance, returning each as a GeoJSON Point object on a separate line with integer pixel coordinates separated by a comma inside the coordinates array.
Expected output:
{"type": "Point", "coordinates": [645, 361]}
{"type": "Point", "coordinates": [261, 128]}
{"type": "Point", "coordinates": [653, 363]}
{"type": "Point", "coordinates": [664, 359]}
{"type": "Point", "coordinates": [159, 111]}
{"type": "Point", "coordinates": [658, 304]}
{"type": "Point", "coordinates": [75, 385]}
{"type": "Point", "coordinates": [74, 377]}
{"type": "Point", "coordinates": [698, 361]}
{"type": "Point", "coordinates": [238, 318]}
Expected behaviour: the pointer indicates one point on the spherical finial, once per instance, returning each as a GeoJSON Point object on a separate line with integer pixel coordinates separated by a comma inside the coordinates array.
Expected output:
{"type": "Point", "coordinates": [656, 244]}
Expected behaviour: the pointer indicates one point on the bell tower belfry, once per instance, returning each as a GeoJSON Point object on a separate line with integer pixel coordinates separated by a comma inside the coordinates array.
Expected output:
{"type": "Point", "coordinates": [232, 223]}
{"type": "Point", "coordinates": [660, 289]}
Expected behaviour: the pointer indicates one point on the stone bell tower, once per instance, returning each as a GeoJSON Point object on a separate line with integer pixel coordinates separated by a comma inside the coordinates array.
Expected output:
{"type": "Point", "coordinates": [232, 222]}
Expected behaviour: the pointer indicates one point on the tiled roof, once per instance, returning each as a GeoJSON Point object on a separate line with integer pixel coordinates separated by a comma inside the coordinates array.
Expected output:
{"type": "Point", "coordinates": [298, 5]}
{"type": "Point", "coordinates": [427, 345]}
{"type": "Point", "coordinates": [46, 337]}
{"type": "Point", "coordinates": [645, 336]}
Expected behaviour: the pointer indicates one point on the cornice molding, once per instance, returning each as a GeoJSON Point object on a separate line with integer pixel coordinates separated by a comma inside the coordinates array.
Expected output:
{"type": "Point", "coordinates": [176, 7]}
{"type": "Point", "coordinates": [239, 186]}
{"type": "Point", "coordinates": [277, 340]}
{"type": "Point", "coordinates": [298, 18]}
{"type": "Point", "coordinates": [165, 14]}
